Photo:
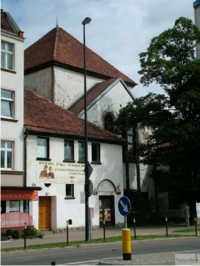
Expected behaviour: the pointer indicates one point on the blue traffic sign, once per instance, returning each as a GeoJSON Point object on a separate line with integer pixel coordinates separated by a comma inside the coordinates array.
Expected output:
{"type": "Point", "coordinates": [124, 206]}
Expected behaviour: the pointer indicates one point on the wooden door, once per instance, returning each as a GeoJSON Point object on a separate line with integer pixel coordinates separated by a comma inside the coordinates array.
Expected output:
{"type": "Point", "coordinates": [44, 212]}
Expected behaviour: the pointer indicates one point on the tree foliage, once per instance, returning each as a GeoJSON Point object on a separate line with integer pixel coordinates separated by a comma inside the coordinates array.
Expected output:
{"type": "Point", "coordinates": [174, 117]}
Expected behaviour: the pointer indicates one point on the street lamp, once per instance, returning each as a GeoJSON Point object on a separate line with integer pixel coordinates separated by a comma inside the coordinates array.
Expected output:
{"type": "Point", "coordinates": [84, 22]}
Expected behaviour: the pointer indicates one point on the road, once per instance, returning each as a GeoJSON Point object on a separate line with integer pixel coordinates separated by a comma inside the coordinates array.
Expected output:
{"type": "Point", "coordinates": [84, 254]}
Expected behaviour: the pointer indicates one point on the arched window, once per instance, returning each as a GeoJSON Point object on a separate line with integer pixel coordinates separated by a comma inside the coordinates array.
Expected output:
{"type": "Point", "coordinates": [108, 122]}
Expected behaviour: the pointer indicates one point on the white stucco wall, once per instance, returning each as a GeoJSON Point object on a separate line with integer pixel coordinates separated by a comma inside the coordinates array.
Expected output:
{"type": "Point", "coordinates": [63, 209]}
{"type": "Point", "coordinates": [12, 129]}
{"type": "Point", "coordinates": [112, 101]}
{"type": "Point", "coordinates": [59, 85]}
{"type": "Point", "coordinates": [40, 82]}
{"type": "Point", "coordinates": [69, 86]}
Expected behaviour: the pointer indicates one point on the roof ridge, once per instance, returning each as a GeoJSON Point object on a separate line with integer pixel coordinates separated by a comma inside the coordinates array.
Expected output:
{"type": "Point", "coordinates": [40, 39]}
{"type": "Point", "coordinates": [55, 44]}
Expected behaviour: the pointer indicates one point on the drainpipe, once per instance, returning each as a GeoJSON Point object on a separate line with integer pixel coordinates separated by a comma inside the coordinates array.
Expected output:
{"type": "Point", "coordinates": [25, 156]}
{"type": "Point", "coordinates": [137, 162]}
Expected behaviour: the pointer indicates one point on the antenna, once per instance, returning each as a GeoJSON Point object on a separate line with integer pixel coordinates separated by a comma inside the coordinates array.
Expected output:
{"type": "Point", "coordinates": [56, 20]}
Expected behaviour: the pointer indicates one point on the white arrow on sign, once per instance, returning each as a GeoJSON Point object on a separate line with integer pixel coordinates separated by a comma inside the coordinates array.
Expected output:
{"type": "Point", "coordinates": [124, 206]}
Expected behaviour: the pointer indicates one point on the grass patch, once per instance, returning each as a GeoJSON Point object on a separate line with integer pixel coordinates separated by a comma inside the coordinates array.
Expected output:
{"type": "Point", "coordinates": [93, 241]}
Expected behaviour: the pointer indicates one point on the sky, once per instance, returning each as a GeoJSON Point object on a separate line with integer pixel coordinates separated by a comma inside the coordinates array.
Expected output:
{"type": "Point", "coordinates": [119, 31]}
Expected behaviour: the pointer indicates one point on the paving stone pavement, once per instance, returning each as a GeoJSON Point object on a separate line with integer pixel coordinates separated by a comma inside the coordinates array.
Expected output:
{"type": "Point", "coordinates": [76, 234]}
{"type": "Point", "coordinates": [165, 258]}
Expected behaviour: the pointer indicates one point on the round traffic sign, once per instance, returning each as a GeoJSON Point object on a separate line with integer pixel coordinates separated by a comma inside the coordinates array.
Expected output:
{"type": "Point", "coordinates": [124, 206]}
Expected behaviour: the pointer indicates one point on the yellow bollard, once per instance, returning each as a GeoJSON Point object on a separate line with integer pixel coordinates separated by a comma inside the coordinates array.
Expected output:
{"type": "Point", "coordinates": [126, 244]}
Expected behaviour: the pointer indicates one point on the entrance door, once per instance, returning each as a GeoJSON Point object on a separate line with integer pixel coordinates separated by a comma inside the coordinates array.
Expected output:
{"type": "Point", "coordinates": [44, 212]}
{"type": "Point", "coordinates": [106, 210]}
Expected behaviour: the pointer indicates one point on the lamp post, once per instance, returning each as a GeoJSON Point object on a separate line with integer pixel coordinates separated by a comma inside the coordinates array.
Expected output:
{"type": "Point", "coordinates": [84, 22]}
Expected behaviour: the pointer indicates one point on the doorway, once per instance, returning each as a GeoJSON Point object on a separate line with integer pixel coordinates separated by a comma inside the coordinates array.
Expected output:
{"type": "Point", "coordinates": [106, 211]}
{"type": "Point", "coordinates": [44, 213]}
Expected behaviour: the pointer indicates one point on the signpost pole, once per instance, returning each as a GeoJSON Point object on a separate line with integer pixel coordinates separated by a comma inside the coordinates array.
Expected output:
{"type": "Point", "coordinates": [125, 221]}
{"type": "Point", "coordinates": [124, 207]}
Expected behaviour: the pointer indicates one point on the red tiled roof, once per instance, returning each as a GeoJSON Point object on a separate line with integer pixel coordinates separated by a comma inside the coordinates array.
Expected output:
{"type": "Point", "coordinates": [58, 46]}
{"type": "Point", "coordinates": [41, 115]}
{"type": "Point", "coordinates": [92, 94]}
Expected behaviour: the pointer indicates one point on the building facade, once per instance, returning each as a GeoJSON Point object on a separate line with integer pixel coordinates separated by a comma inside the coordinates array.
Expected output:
{"type": "Point", "coordinates": [16, 197]}
{"type": "Point", "coordinates": [55, 161]}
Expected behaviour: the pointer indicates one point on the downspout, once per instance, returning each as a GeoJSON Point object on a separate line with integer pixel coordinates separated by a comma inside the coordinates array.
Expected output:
{"type": "Point", "coordinates": [137, 162]}
{"type": "Point", "coordinates": [25, 156]}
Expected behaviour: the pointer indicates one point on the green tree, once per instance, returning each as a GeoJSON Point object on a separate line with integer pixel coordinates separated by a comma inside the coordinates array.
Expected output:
{"type": "Point", "coordinates": [174, 117]}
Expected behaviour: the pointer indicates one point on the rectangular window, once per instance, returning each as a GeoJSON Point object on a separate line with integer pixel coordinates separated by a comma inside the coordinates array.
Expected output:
{"type": "Point", "coordinates": [6, 154]}
{"type": "Point", "coordinates": [14, 206]}
{"type": "Point", "coordinates": [69, 190]}
{"type": "Point", "coordinates": [26, 206]}
{"type": "Point", "coordinates": [7, 104]}
{"type": "Point", "coordinates": [7, 55]}
{"type": "Point", "coordinates": [42, 148]}
{"type": "Point", "coordinates": [81, 151]}
{"type": "Point", "coordinates": [96, 153]}
{"type": "Point", "coordinates": [130, 145]}
{"type": "Point", "coordinates": [68, 150]}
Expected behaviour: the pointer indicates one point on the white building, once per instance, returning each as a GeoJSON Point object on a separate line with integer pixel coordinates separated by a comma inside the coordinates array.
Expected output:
{"type": "Point", "coordinates": [55, 138]}
{"type": "Point", "coordinates": [16, 197]}
{"type": "Point", "coordinates": [54, 70]}
{"type": "Point", "coordinates": [196, 5]}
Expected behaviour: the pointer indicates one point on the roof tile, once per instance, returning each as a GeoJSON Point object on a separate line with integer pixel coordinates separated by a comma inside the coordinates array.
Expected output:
{"type": "Point", "coordinates": [59, 46]}
{"type": "Point", "coordinates": [41, 115]}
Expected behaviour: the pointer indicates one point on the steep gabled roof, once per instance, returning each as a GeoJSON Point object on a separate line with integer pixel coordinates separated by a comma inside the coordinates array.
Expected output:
{"type": "Point", "coordinates": [61, 48]}
{"type": "Point", "coordinates": [95, 93]}
{"type": "Point", "coordinates": [9, 25]}
{"type": "Point", "coordinates": [43, 116]}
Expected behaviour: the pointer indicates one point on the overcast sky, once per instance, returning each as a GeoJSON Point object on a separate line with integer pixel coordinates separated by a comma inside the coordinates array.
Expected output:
{"type": "Point", "coordinates": [118, 32]}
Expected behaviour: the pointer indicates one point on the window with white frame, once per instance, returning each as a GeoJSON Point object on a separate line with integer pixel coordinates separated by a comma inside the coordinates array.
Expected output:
{"type": "Point", "coordinates": [68, 150]}
{"type": "Point", "coordinates": [96, 153]}
{"type": "Point", "coordinates": [42, 148]}
{"type": "Point", "coordinates": [69, 190]}
{"type": "Point", "coordinates": [7, 103]}
{"type": "Point", "coordinates": [7, 55]}
{"type": "Point", "coordinates": [6, 154]}
{"type": "Point", "coordinates": [81, 151]}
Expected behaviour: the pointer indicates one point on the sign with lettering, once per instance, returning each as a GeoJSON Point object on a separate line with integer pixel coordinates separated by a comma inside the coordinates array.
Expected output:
{"type": "Point", "coordinates": [15, 219]}
{"type": "Point", "coordinates": [68, 173]}
{"type": "Point", "coordinates": [17, 195]}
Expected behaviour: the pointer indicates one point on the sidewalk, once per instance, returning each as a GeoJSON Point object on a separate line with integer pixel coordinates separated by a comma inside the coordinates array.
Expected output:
{"type": "Point", "coordinates": [76, 235]}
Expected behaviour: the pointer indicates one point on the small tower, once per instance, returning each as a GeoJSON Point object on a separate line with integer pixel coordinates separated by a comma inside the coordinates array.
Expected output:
{"type": "Point", "coordinates": [196, 6]}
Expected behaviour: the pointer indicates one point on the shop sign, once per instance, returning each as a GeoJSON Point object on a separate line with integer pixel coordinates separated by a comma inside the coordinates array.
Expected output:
{"type": "Point", "coordinates": [15, 219]}
{"type": "Point", "coordinates": [67, 173]}
{"type": "Point", "coordinates": [35, 196]}
{"type": "Point", "coordinates": [17, 195]}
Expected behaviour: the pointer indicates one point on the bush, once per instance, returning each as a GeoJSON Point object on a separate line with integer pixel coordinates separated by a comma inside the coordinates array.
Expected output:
{"type": "Point", "coordinates": [9, 232]}
{"type": "Point", "coordinates": [16, 234]}
{"type": "Point", "coordinates": [33, 233]}
{"type": "Point", "coordinates": [3, 233]}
